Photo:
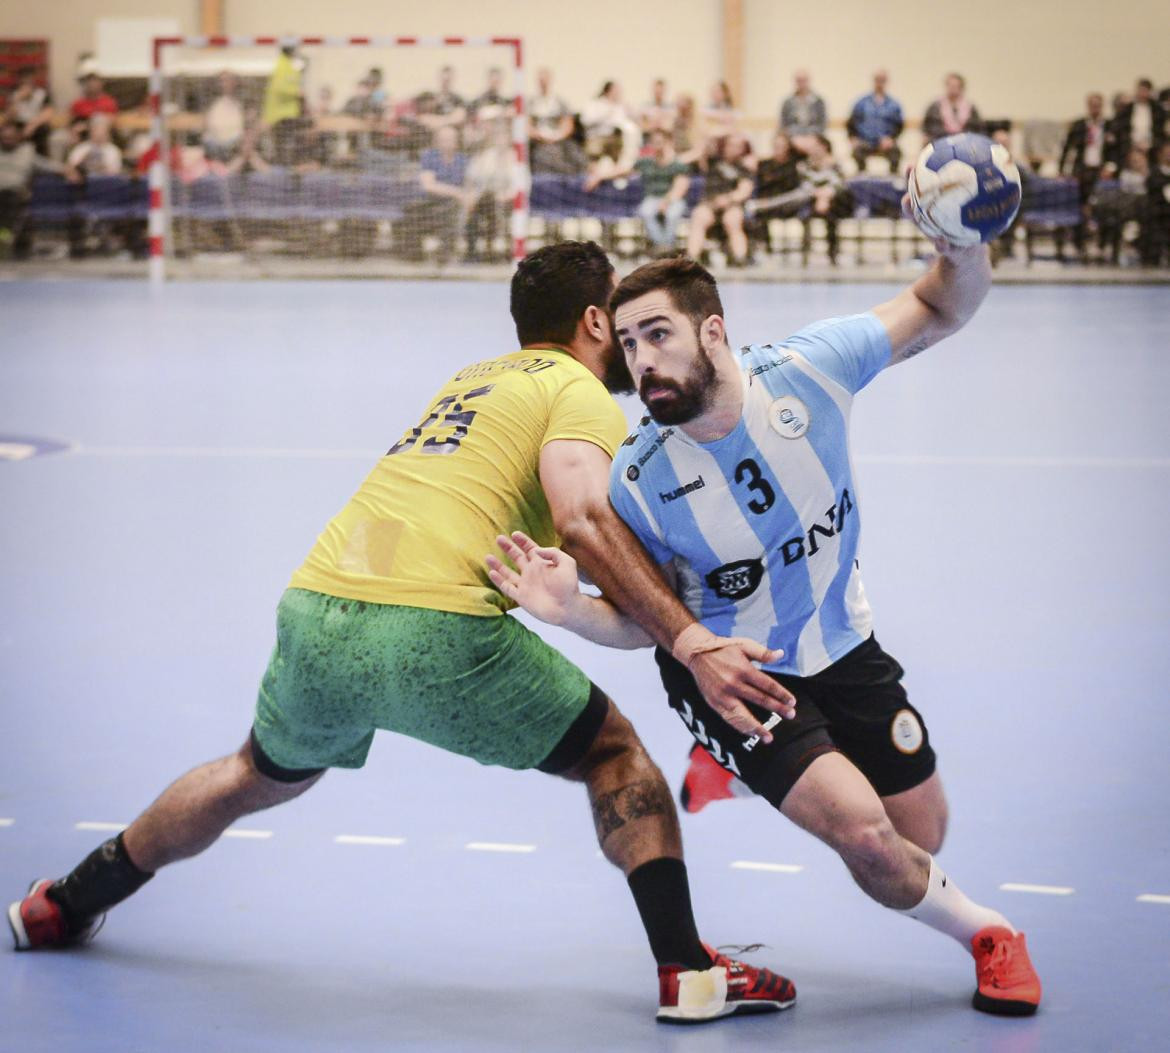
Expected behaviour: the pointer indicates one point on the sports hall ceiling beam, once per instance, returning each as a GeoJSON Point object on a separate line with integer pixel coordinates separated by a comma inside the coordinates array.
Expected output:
{"type": "Point", "coordinates": [211, 18]}
{"type": "Point", "coordinates": [732, 18]}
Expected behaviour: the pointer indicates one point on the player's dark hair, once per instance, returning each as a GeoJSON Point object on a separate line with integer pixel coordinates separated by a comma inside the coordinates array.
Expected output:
{"type": "Point", "coordinates": [689, 285]}
{"type": "Point", "coordinates": [552, 288]}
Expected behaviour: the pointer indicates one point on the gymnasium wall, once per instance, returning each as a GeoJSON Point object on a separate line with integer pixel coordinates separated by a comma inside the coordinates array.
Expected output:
{"type": "Point", "coordinates": [1022, 60]}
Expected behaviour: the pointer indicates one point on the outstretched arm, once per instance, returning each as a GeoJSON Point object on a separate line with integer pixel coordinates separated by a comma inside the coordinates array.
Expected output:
{"type": "Point", "coordinates": [939, 303]}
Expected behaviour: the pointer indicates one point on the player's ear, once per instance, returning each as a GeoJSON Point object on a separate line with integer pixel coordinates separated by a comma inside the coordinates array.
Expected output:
{"type": "Point", "coordinates": [596, 322]}
{"type": "Point", "coordinates": [712, 333]}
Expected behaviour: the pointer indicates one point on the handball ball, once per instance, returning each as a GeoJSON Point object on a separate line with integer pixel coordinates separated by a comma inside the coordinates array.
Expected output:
{"type": "Point", "coordinates": [964, 188]}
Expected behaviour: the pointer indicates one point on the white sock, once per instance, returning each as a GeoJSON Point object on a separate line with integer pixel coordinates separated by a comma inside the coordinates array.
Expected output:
{"type": "Point", "coordinates": [946, 909]}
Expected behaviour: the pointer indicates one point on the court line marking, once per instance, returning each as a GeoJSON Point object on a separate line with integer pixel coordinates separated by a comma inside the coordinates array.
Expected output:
{"type": "Point", "coordinates": [279, 452]}
{"type": "Point", "coordinates": [367, 839]}
{"type": "Point", "coordinates": [87, 825]}
{"type": "Point", "coordinates": [7, 822]}
{"type": "Point", "coordinates": [1043, 890]}
{"type": "Point", "coordinates": [249, 835]}
{"type": "Point", "coordinates": [497, 846]}
{"type": "Point", "coordinates": [1153, 897]}
{"type": "Point", "coordinates": [776, 868]}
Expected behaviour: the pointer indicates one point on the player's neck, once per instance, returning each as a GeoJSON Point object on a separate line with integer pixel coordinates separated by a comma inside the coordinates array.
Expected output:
{"type": "Point", "coordinates": [726, 407]}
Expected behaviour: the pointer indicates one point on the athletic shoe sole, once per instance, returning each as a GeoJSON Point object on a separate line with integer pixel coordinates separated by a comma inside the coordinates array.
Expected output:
{"type": "Point", "coordinates": [1002, 1006]}
{"type": "Point", "coordinates": [16, 923]}
{"type": "Point", "coordinates": [673, 1015]}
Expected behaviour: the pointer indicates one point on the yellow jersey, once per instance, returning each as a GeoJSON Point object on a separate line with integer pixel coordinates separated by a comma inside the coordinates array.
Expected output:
{"type": "Point", "coordinates": [417, 530]}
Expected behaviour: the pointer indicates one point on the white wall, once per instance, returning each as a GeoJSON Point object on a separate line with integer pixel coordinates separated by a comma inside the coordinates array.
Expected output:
{"type": "Point", "coordinates": [1033, 59]}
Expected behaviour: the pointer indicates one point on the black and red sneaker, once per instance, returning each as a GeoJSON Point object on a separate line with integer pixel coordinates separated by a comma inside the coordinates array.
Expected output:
{"type": "Point", "coordinates": [38, 922]}
{"type": "Point", "coordinates": [729, 987]}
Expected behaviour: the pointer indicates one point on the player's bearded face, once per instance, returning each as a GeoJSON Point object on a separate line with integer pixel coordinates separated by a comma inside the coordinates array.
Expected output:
{"type": "Point", "coordinates": [677, 401]}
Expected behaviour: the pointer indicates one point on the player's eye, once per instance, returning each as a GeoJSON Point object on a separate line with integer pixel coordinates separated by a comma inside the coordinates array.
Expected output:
{"type": "Point", "coordinates": [657, 334]}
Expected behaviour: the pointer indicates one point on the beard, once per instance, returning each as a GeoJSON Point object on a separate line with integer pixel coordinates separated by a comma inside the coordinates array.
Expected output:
{"type": "Point", "coordinates": [617, 378]}
{"type": "Point", "coordinates": [678, 402]}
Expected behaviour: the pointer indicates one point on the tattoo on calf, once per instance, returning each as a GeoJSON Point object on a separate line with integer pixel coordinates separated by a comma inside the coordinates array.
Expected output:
{"type": "Point", "coordinates": [611, 811]}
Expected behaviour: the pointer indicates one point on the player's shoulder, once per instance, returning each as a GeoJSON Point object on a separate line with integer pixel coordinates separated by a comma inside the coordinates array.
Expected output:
{"type": "Point", "coordinates": [758, 359]}
{"type": "Point", "coordinates": [640, 448]}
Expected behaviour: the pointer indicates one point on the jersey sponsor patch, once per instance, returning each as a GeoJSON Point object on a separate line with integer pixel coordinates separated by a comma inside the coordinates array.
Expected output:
{"type": "Point", "coordinates": [789, 417]}
{"type": "Point", "coordinates": [734, 581]}
{"type": "Point", "coordinates": [906, 732]}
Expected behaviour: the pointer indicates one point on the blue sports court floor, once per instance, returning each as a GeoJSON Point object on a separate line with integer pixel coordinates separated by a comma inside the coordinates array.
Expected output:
{"type": "Point", "coordinates": [1015, 484]}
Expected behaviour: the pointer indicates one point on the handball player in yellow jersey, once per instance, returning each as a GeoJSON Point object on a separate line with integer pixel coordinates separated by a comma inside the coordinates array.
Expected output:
{"type": "Point", "coordinates": [392, 623]}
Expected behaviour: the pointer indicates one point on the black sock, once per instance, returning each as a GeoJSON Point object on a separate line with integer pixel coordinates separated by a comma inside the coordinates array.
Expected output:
{"type": "Point", "coordinates": [102, 879]}
{"type": "Point", "coordinates": [663, 897]}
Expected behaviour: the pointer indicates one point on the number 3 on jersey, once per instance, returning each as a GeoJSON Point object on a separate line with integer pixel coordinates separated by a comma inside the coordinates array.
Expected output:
{"type": "Point", "coordinates": [448, 412]}
{"type": "Point", "coordinates": [749, 470]}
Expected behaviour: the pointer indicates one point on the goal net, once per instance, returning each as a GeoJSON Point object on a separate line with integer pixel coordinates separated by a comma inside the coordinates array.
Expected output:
{"type": "Point", "coordinates": [336, 156]}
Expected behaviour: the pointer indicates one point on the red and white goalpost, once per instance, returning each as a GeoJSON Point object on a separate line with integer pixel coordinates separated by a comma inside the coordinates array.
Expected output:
{"type": "Point", "coordinates": [506, 51]}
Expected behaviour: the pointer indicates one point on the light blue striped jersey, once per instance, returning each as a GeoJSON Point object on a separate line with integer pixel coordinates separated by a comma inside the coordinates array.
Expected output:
{"type": "Point", "coordinates": [763, 524]}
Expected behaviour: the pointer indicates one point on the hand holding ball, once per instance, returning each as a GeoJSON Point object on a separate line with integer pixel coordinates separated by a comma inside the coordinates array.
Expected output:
{"type": "Point", "coordinates": [964, 189]}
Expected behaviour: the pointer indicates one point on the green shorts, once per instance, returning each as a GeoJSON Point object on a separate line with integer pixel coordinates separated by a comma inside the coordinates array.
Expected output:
{"type": "Point", "coordinates": [486, 688]}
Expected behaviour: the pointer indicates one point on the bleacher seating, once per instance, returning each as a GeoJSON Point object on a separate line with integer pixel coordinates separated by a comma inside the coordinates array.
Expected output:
{"type": "Point", "coordinates": [1051, 208]}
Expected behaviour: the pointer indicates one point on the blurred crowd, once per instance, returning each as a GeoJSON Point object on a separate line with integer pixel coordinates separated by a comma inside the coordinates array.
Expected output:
{"type": "Point", "coordinates": [459, 149]}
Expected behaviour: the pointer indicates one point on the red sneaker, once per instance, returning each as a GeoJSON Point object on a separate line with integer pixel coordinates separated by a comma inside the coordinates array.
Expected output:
{"type": "Point", "coordinates": [36, 921]}
{"type": "Point", "coordinates": [1008, 985]}
{"type": "Point", "coordinates": [706, 781]}
{"type": "Point", "coordinates": [691, 996]}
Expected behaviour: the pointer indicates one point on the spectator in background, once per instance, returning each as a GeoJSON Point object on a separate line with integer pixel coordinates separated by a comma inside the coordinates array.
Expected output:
{"type": "Point", "coordinates": [658, 114]}
{"type": "Point", "coordinates": [1140, 122]}
{"type": "Point", "coordinates": [443, 108]}
{"type": "Point", "coordinates": [803, 115]}
{"type": "Point", "coordinates": [364, 102]}
{"type": "Point", "coordinates": [823, 182]}
{"type": "Point", "coordinates": [96, 155]}
{"type": "Point", "coordinates": [1114, 207]}
{"type": "Point", "coordinates": [448, 200]}
{"type": "Point", "coordinates": [665, 182]}
{"type": "Point", "coordinates": [491, 176]}
{"type": "Point", "coordinates": [552, 148]}
{"type": "Point", "coordinates": [93, 98]}
{"type": "Point", "coordinates": [952, 112]}
{"type": "Point", "coordinates": [610, 130]}
{"type": "Point", "coordinates": [492, 104]}
{"type": "Point", "coordinates": [1157, 237]}
{"type": "Point", "coordinates": [223, 123]}
{"type": "Point", "coordinates": [284, 105]}
{"type": "Point", "coordinates": [727, 186]}
{"type": "Point", "coordinates": [777, 194]}
{"type": "Point", "coordinates": [875, 124]}
{"type": "Point", "coordinates": [720, 117]}
{"type": "Point", "coordinates": [19, 162]}
{"type": "Point", "coordinates": [32, 108]}
{"type": "Point", "coordinates": [687, 143]}
{"type": "Point", "coordinates": [1083, 155]}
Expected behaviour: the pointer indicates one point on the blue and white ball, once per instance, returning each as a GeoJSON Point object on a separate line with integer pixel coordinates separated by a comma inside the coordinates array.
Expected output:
{"type": "Point", "coordinates": [965, 189]}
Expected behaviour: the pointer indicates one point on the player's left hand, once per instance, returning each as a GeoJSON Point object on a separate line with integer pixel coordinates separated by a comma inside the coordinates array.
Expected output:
{"type": "Point", "coordinates": [545, 581]}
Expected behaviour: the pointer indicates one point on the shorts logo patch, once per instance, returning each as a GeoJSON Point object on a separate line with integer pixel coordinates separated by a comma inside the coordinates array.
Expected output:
{"type": "Point", "coordinates": [906, 732]}
{"type": "Point", "coordinates": [789, 417]}
{"type": "Point", "coordinates": [734, 581]}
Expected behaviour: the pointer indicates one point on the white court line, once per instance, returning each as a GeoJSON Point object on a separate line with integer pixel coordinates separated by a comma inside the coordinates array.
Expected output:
{"type": "Point", "coordinates": [497, 846]}
{"type": "Point", "coordinates": [272, 452]}
{"type": "Point", "coordinates": [249, 835]}
{"type": "Point", "coordinates": [367, 839]}
{"type": "Point", "coordinates": [283, 452]}
{"type": "Point", "coordinates": [1018, 462]}
{"type": "Point", "coordinates": [7, 822]}
{"type": "Point", "coordinates": [1153, 897]}
{"type": "Point", "coordinates": [776, 868]}
{"type": "Point", "coordinates": [1043, 890]}
{"type": "Point", "coordinates": [116, 827]}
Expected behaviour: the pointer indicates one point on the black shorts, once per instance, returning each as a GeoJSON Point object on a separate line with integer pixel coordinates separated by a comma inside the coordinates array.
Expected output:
{"type": "Point", "coordinates": [857, 707]}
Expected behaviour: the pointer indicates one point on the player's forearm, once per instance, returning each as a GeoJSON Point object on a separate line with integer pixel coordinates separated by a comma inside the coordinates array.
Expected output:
{"type": "Point", "coordinates": [616, 563]}
{"type": "Point", "coordinates": [955, 286]}
{"type": "Point", "coordinates": [596, 619]}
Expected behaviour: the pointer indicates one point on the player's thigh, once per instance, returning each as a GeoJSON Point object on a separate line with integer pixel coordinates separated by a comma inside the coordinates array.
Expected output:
{"type": "Point", "coordinates": [920, 813]}
{"type": "Point", "coordinates": [768, 769]}
{"type": "Point", "coordinates": [873, 721]}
